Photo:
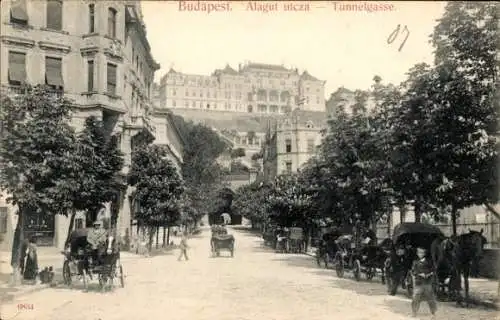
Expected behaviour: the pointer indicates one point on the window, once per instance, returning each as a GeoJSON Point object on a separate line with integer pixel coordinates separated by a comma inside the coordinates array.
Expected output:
{"type": "Point", "coordinates": [17, 68]}
{"type": "Point", "coordinates": [288, 167]}
{"type": "Point", "coordinates": [317, 100]}
{"type": "Point", "coordinates": [78, 223]}
{"type": "Point", "coordinates": [201, 94]}
{"type": "Point", "coordinates": [54, 14]}
{"type": "Point", "coordinates": [53, 73]}
{"type": "Point", "coordinates": [112, 23]}
{"type": "Point", "coordinates": [18, 12]}
{"type": "Point", "coordinates": [174, 104]}
{"type": "Point", "coordinates": [310, 145]}
{"type": "Point", "coordinates": [90, 75]}
{"type": "Point", "coordinates": [91, 18]}
{"type": "Point", "coordinates": [174, 92]}
{"type": "Point", "coordinates": [288, 145]}
{"type": "Point", "coordinates": [3, 220]}
{"type": "Point", "coordinates": [194, 104]}
{"type": "Point", "coordinates": [111, 79]}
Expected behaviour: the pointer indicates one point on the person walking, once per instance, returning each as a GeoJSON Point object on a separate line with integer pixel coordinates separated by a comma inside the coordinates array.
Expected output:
{"type": "Point", "coordinates": [423, 275]}
{"type": "Point", "coordinates": [183, 246]}
{"type": "Point", "coordinates": [31, 264]}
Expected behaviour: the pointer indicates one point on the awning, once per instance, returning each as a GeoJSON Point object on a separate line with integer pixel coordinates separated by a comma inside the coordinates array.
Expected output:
{"type": "Point", "coordinates": [18, 11]}
{"type": "Point", "coordinates": [53, 72]}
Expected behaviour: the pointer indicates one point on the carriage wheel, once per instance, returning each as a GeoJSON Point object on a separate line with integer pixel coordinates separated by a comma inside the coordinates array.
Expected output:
{"type": "Point", "coordinates": [357, 269]}
{"type": "Point", "coordinates": [67, 273]}
{"type": "Point", "coordinates": [232, 253]}
{"type": "Point", "coordinates": [339, 265]}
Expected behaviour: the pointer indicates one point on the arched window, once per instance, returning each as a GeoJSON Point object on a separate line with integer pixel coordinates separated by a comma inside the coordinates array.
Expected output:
{"type": "Point", "coordinates": [112, 23]}
{"type": "Point", "coordinates": [250, 109]}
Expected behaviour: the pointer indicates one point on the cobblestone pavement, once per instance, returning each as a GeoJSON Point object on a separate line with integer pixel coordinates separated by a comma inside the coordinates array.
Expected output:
{"type": "Point", "coordinates": [256, 284]}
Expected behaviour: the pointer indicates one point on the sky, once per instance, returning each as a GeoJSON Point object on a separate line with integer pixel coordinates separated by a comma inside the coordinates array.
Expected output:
{"type": "Point", "coordinates": [343, 47]}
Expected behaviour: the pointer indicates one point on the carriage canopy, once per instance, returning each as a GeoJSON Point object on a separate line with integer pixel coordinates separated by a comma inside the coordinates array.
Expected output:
{"type": "Point", "coordinates": [416, 234]}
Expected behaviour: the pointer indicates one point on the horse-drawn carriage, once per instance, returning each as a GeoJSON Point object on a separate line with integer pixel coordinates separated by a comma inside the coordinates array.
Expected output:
{"type": "Point", "coordinates": [221, 240]}
{"type": "Point", "coordinates": [83, 262]}
{"type": "Point", "coordinates": [367, 258]}
{"type": "Point", "coordinates": [405, 239]}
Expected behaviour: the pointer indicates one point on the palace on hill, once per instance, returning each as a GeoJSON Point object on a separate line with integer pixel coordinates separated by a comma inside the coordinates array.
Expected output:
{"type": "Point", "coordinates": [254, 88]}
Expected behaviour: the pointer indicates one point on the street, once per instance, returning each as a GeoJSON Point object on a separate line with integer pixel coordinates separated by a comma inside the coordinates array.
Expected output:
{"type": "Point", "coordinates": [256, 284]}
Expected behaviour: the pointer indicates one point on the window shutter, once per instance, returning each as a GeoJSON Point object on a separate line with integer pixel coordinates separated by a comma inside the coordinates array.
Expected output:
{"type": "Point", "coordinates": [17, 67]}
{"type": "Point", "coordinates": [54, 14]}
{"type": "Point", "coordinates": [53, 72]}
{"type": "Point", "coordinates": [18, 12]}
{"type": "Point", "coordinates": [91, 18]}
{"type": "Point", "coordinates": [90, 75]}
{"type": "Point", "coordinates": [111, 79]}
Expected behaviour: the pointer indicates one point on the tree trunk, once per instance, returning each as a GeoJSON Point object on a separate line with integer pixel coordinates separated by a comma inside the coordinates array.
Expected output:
{"type": "Point", "coordinates": [454, 212]}
{"type": "Point", "coordinates": [164, 235]}
{"type": "Point", "coordinates": [168, 234]}
{"type": "Point", "coordinates": [17, 248]}
{"type": "Point", "coordinates": [150, 238]}
{"type": "Point", "coordinates": [402, 213]}
{"type": "Point", "coordinates": [157, 235]}
{"type": "Point", "coordinates": [70, 228]}
{"type": "Point", "coordinates": [417, 208]}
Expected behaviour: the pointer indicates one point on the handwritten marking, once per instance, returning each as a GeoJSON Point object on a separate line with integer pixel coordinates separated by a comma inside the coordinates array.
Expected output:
{"type": "Point", "coordinates": [395, 33]}
{"type": "Point", "coordinates": [25, 306]}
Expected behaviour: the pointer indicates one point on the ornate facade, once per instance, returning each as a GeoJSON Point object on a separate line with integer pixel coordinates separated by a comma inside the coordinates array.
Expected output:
{"type": "Point", "coordinates": [95, 53]}
{"type": "Point", "coordinates": [291, 141]}
{"type": "Point", "coordinates": [255, 88]}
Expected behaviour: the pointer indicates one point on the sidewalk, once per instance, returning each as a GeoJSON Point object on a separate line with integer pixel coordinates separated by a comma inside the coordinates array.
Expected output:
{"type": "Point", "coordinates": [482, 291]}
{"type": "Point", "coordinates": [47, 256]}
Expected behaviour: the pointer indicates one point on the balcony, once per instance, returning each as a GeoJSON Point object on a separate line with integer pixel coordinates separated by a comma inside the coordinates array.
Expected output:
{"type": "Point", "coordinates": [104, 100]}
{"type": "Point", "coordinates": [141, 122]}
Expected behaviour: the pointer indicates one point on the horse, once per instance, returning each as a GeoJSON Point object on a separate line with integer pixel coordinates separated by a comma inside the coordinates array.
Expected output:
{"type": "Point", "coordinates": [442, 258]}
{"type": "Point", "coordinates": [459, 254]}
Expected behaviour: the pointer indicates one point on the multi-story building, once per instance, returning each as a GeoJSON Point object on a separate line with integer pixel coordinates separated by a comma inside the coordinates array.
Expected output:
{"type": "Point", "coordinates": [292, 141]}
{"type": "Point", "coordinates": [340, 100]}
{"type": "Point", "coordinates": [167, 134]}
{"type": "Point", "coordinates": [95, 53]}
{"type": "Point", "coordinates": [254, 88]}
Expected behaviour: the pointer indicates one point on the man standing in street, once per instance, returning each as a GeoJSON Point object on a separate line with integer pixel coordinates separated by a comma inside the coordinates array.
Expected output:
{"type": "Point", "coordinates": [423, 277]}
{"type": "Point", "coordinates": [183, 246]}
{"type": "Point", "coordinates": [96, 237]}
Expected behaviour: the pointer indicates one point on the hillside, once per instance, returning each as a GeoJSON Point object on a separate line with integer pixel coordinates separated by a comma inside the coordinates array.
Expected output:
{"type": "Point", "coordinates": [243, 122]}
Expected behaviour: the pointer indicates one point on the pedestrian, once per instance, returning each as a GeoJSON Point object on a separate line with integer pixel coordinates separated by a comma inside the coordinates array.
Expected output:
{"type": "Point", "coordinates": [183, 246]}
{"type": "Point", "coordinates": [31, 264]}
{"type": "Point", "coordinates": [423, 277]}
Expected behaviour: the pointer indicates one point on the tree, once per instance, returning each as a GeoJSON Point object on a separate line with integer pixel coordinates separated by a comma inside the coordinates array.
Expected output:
{"type": "Point", "coordinates": [99, 161]}
{"type": "Point", "coordinates": [158, 187]}
{"type": "Point", "coordinates": [251, 201]}
{"type": "Point", "coordinates": [38, 170]}
{"type": "Point", "coordinates": [466, 41]}
{"type": "Point", "coordinates": [202, 174]}
{"type": "Point", "coordinates": [237, 153]}
{"type": "Point", "coordinates": [353, 165]}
